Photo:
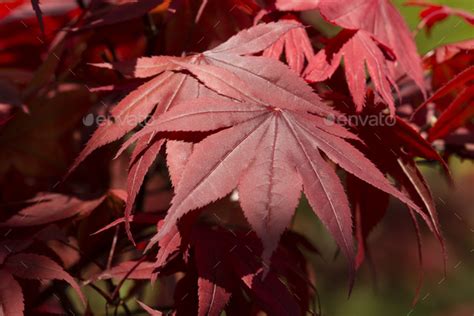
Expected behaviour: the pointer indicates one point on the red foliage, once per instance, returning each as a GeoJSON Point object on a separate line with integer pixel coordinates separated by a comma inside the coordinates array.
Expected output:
{"type": "Point", "coordinates": [231, 119]}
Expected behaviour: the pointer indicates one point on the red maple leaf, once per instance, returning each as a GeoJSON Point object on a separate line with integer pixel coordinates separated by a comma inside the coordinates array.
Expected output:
{"type": "Point", "coordinates": [269, 141]}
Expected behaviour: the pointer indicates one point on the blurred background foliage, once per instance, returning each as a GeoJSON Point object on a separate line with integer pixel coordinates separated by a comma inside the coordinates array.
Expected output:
{"type": "Point", "coordinates": [453, 29]}
{"type": "Point", "coordinates": [389, 285]}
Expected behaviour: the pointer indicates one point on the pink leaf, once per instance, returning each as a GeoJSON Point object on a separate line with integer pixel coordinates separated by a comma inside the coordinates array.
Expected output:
{"type": "Point", "coordinates": [32, 266]}
{"type": "Point", "coordinates": [52, 207]}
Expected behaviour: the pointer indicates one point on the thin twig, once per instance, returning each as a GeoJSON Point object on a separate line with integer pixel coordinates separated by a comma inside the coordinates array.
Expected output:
{"type": "Point", "coordinates": [112, 248]}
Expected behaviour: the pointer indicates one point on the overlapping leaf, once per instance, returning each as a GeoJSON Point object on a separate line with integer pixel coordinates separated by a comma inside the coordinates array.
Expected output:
{"type": "Point", "coordinates": [228, 263]}
{"type": "Point", "coordinates": [32, 267]}
{"type": "Point", "coordinates": [459, 111]}
{"type": "Point", "coordinates": [52, 207]}
{"type": "Point", "coordinates": [297, 48]}
{"type": "Point", "coordinates": [381, 19]}
{"type": "Point", "coordinates": [359, 49]}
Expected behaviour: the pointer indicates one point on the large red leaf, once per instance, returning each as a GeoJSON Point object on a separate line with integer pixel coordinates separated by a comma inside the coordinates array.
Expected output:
{"type": "Point", "coordinates": [292, 136]}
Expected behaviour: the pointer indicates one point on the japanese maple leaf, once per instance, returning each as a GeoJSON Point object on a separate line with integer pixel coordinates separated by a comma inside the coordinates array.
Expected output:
{"type": "Point", "coordinates": [32, 267]}
{"type": "Point", "coordinates": [359, 49]}
{"type": "Point", "coordinates": [167, 87]}
{"type": "Point", "coordinates": [297, 47]}
{"type": "Point", "coordinates": [267, 139]}
{"type": "Point", "coordinates": [51, 207]}
{"type": "Point", "coordinates": [381, 19]}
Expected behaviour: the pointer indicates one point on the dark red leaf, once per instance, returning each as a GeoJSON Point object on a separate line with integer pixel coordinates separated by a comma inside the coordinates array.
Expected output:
{"type": "Point", "coordinates": [460, 111]}
{"type": "Point", "coordinates": [32, 266]}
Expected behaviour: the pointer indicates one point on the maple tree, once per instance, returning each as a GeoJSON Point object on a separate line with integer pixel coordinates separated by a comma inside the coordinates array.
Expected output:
{"type": "Point", "coordinates": [172, 143]}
